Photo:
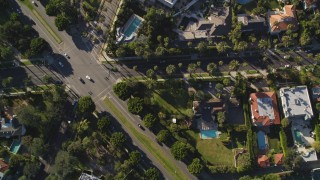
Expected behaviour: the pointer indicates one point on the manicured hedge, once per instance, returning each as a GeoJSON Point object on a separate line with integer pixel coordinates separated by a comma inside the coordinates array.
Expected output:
{"type": "Point", "coordinates": [317, 131]}
{"type": "Point", "coordinates": [250, 144]}
{"type": "Point", "coordinates": [283, 142]}
{"type": "Point", "coordinates": [221, 169]}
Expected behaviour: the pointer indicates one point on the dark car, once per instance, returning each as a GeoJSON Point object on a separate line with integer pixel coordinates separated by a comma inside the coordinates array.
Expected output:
{"type": "Point", "coordinates": [141, 126]}
{"type": "Point", "coordinates": [81, 80]}
{"type": "Point", "coordinates": [58, 82]}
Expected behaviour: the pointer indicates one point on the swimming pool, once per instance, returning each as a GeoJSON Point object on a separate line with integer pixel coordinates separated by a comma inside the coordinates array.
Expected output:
{"type": "Point", "coordinates": [208, 134]}
{"type": "Point", "coordinates": [135, 23]}
{"type": "Point", "coordinates": [262, 140]}
{"type": "Point", "coordinates": [297, 136]}
{"type": "Point", "coordinates": [243, 1]}
{"type": "Point", "coordinates": [15, 146]}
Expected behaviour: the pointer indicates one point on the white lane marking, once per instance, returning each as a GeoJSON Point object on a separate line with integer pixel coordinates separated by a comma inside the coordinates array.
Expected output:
{"type": "Point", "coordinates": [97, 96]}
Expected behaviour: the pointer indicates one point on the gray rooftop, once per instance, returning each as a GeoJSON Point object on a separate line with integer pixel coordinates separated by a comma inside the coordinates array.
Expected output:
{"type": "Point", "coordinates": [295, 102]}
{"type": "Point", "coordinates": [10, 128]}
{"type": "Point", "coordinates": [265, 107]}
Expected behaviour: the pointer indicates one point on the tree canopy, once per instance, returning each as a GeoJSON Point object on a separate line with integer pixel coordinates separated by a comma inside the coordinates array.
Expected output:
{"type": "Point", "coordinates": [64, 164]}
{"type": "Point", "coordinates": [181, 149]}
{"type": "Point", "coordinates": [170, 69]}
{"type": "Point", "coordinates": [149, 120]}
{"type": "Point", "coordinates": [195, 167]}
{"type": "Point", "coordinates": [37, 147]}
{"type": "Point", "coordinates": [118, 139]}
{"type": "Point", "coordinates": [103, 123]}
{"type": "Point", "coordinates": [122, 90]}
{"type": "Point", "coordinates": [163, 135]}
{"type": "Point", "coordinates": [86, 105]}
{"type": "Point", "coordinates": [135, 105]}
{"type": "Point", "coordinates": [152, 174]}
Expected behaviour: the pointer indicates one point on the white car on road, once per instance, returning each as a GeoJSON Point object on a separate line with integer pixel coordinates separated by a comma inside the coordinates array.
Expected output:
{"type": "Point", "coordinates": [88, 77]}
{"type": "Point", "coordinates": [66, 55]}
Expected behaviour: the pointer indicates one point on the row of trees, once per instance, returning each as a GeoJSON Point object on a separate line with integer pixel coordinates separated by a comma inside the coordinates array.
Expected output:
{"type": "Point", "coordinates": [14, 33]}
{"type": "Point", "coordinates": [65, 12]}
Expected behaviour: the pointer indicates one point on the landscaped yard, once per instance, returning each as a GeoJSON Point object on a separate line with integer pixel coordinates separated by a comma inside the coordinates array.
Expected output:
{"type": "Point", "coordinates": [212, 150]}
{"type": "Point", "coordinates": [173, 104]}
{"type": "Point", "coordinates": [273, 4]}
{"type": "Point", "coordinates": [275, 144]}
{"type": "Point", "coordinates": [152, 147]}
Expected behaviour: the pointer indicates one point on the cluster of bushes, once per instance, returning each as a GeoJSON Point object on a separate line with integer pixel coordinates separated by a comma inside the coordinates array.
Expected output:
{"type": "Point", "coordinates": [264, 177]}
{"type": "Point", "coordinates": [222, 169]}
{"type": "Point", "coordinates": [66, 13]}
{"type": "Point", "coordinates": [90, 8]}
{"type": "Point", "coordinates": [283, 142]}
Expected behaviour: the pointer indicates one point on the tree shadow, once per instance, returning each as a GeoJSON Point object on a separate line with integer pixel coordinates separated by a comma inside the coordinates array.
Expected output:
{"type": "Point", "coordinates": [117, 127]}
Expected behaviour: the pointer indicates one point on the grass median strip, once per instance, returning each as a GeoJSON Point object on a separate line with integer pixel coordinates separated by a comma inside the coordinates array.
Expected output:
{"type": "Point", "coordinates": [42, 21]}
{"type": "Point", "coordinates": [150, 145]}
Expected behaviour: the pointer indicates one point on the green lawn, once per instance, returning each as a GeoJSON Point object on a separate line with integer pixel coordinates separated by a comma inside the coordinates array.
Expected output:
{"type": "Point", "coordinates": [252, 71]}
{"type": "Point", "coordinates": [275, 144]}
{"type": "Point", "coordinates": [152, 147]}
{"type": "Point", "coordinates": [212, 150]}
{"type": "Point", "coordinates": [273, 4]}
{"type": "Point", "coordinates": [173, 104]}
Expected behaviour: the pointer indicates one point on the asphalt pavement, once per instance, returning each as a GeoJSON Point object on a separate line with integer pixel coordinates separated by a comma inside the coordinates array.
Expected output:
{"type": "Point", "coordinates": [83, 62]}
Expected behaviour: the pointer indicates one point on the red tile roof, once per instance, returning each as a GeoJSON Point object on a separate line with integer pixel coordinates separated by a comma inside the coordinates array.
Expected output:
{"type": "Point", "coordinates": [263, 161]}
{"type": "Point", "coordinates": [264, 120]}
{"type": "Point", "coordinates": [280, 22]}
{"type": "Point", "coordinates": [278, 159]}
{"type": "Point", "coordinates": [3, 166]}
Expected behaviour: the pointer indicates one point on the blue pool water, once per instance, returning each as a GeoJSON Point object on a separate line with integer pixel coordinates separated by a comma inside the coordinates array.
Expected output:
{"type": "Point", "coordinates": [297, 136]}
{"type": "Point", "coordinates": [261, 140]}
{"type": "Point", "coordinates": [208, 134]}
{"type": "Point", "coordinates": [132, 27]}
{"type": "Point", "coordinates": [243, 1]}
{"type": "Point", "coordinates": [15, 146]}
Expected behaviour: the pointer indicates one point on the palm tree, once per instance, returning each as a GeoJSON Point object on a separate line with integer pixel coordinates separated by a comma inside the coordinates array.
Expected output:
{"type": "Point", "coordinates": [263, 44]}
{"type": "Point", "coordinates": [222, 47]}
{"type": "Point", "coordinates": [234, 65]}
{"type": "Point", "coordinates": [171, 69]}
{"type": "Point", "coordinates": [220, 63]}
{"type": "Point", "coordinates": [211, 67]}
{"type": "Point", "coordinates": [191, 68]}
{"type": "Point", "coordinates": [286, 40]}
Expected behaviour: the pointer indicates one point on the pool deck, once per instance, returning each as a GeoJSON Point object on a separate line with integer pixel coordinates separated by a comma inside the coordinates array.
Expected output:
{"type": "Point", "coordinates": [126, 26]}
{"type": "Point", "coordinates": [304, 149]}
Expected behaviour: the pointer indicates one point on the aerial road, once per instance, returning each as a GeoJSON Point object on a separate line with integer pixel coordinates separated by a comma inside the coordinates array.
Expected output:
{"type": "Point", "coordinates": [75, 59]}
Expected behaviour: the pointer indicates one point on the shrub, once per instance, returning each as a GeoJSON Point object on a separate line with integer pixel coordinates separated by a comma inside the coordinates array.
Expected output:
{"type": "Point", "coordinates": [283, 142]}
{"type": "Point", "coordinates": [317, 131]}
{"type": "Point", "coordinates": [122, 90]}
{"type": "Point", "coordinates": [221, 169]}
{"type": "Point", "coordinates": [135, 105]}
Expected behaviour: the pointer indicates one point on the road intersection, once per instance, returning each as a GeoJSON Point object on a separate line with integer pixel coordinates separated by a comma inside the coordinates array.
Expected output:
{"type": "Point", "coordinates": [83, 62]}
